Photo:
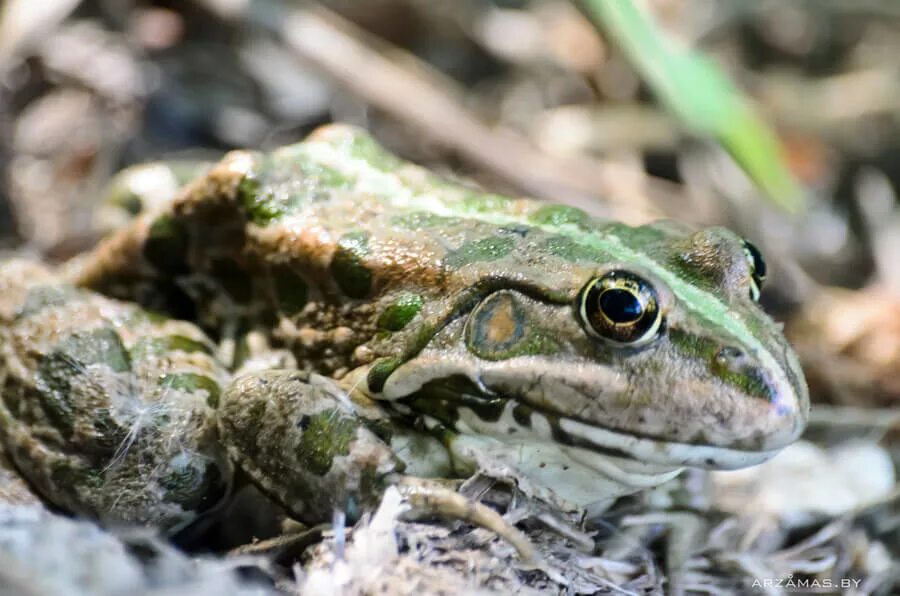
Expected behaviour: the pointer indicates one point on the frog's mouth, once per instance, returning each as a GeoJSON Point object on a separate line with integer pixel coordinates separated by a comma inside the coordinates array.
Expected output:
{"type": "Point", "coordinates": [458, 403]}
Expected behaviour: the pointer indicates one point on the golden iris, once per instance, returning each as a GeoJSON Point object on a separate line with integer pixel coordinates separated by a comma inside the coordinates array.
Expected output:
{"type": "Point", "coordinates": [620, 308]}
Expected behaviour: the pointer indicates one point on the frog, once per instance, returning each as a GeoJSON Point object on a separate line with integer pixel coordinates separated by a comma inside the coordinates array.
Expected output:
{"type": "Point", "coordinates": [330, 321]}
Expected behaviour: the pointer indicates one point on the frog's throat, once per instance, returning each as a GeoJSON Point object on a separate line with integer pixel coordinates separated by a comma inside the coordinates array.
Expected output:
{"type": "Point", "coordinates": [581, 478]}
{"type": "Point", "coordinates": [468, 407]}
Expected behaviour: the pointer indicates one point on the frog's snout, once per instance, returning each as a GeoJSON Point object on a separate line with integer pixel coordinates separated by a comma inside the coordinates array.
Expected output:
{"type": "Point", "coordinates": [783, 413]}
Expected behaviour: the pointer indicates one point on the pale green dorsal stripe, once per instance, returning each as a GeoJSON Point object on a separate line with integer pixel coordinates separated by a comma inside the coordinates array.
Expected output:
{"type": "Point", "coordinates": [702, 303]}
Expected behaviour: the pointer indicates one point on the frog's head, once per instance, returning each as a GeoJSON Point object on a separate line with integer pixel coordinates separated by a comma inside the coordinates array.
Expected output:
{"type": "Point", "coordinates": [642, 343]}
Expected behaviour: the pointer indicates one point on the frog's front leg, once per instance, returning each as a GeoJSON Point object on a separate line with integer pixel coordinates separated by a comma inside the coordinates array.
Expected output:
{"type": "Point", "coordinates": [306, 444]}
{"type": "Point", "coordinates": [432, 497]}
{"type": "Point", "coordinates": [301, 440]}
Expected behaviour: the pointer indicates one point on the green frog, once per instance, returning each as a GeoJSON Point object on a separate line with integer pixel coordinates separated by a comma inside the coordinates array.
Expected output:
{"type": "Point", "coordinates": [332, 320]}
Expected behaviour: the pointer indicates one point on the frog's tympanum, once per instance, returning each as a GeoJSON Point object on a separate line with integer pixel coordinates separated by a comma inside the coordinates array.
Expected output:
{"type": "Point", "coordinates": [328, 318]}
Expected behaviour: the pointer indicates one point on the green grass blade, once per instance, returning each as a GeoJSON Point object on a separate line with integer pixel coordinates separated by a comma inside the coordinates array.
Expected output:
{"type": "Point", "coordinates": [700, 95]}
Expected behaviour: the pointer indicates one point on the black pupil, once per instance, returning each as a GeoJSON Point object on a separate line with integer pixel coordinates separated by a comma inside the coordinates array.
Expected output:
{"type": "Point", "coordinates": [620, 306]}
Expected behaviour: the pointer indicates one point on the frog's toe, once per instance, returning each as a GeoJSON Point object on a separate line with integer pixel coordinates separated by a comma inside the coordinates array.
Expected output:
{"type": "Point", "coordinates": [432, 497]}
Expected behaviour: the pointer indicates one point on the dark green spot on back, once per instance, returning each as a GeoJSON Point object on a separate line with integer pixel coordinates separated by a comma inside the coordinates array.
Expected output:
{"type": "Point", "coordinates": [167, 245]}
{"type": "Point", "coordinates": [400, 312]}
{"type": "Point", "coordinates": [348, 268]}
{"type": "Point", "coordinates": [290, 289]}
{"type": "Point", "coordinates": [233, 280]}
{"type": "Point", "coordinates": [284, 182]}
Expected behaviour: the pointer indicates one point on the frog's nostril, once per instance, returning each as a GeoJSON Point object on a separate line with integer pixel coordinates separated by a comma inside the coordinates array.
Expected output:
{"type": "Point", "coordinates": [731, 357]}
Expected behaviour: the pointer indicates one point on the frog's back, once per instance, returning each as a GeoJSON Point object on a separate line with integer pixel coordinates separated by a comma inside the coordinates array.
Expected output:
{"type": "Point", "coordinates": [337, 219]}
{"type": "Point", "coordinates": [367, 223]}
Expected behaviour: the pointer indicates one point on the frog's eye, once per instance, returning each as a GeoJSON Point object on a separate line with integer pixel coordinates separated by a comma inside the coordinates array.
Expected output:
{"type": "Point", "coordinates": [757, 269]}
{"type": "Point", "coordinates": [620, 308]}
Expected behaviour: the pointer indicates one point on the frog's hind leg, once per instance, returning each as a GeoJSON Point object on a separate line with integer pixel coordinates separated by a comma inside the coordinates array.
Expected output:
{"type": "Point", "coordinates": [106, 410]}
{"type": "Point", "coordinates": [301, 439]}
